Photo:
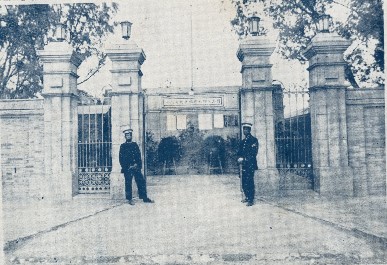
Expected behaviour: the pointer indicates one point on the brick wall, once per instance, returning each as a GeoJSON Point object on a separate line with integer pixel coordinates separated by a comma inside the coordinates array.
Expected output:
{"type": "Point", "coordinates": [366, 140]}
{"type": "Point", "coordinates": [22, 148]}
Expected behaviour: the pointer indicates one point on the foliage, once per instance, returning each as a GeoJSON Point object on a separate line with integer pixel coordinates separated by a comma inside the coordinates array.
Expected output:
{"type": "Point", "coordinates": [213, 150]}
{"type": "Point", "coordinates": [296, 21]}
{"type": "Point", "coordinates": [26, 28]}
{"type": "Point", "coordinates": [190, 142]}
{"type": "Point", "coordinates": [169, 149]}
{"type": "Point", "coordinates": [232, 145]}
{"type": "Point", "coordinates": [152, 161]}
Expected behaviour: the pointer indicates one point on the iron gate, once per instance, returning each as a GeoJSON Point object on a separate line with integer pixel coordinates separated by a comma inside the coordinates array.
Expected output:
{"type": "Point", "coordinates": [94, 146]}
{"type": "Point", "coordinates": [293, 138]}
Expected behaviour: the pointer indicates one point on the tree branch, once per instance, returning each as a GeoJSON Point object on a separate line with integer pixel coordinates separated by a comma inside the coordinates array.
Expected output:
{"type": "Point", "coordinates": [92, 73]}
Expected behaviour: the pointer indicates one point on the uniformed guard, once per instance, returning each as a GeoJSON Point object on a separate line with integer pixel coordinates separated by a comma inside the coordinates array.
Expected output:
{"type": "Point", "coordinates": [247, 158]}
{"type": "Point", "coordinates": [131, 164]}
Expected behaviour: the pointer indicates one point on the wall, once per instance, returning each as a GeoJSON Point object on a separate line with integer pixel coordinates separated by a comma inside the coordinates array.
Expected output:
{"type": "Point", "coordinates": [22, 153]}
{"type": "Point", "coordinates": [366, 140]}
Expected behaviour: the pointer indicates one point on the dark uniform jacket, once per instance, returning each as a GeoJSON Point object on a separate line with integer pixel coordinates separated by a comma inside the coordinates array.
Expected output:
{"type": "Point", "coordinates": [129, 155]}
{"type": "Point", "coordinates": [248, 150]}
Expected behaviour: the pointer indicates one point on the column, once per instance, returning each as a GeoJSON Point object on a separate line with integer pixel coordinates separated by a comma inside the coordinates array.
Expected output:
{"type": "Point", "coordinates": [127, 105]}
{"type": "Point", "coordinates": [328, 114]}
{"type": "Point", "coordinates": [257, 107]}
{"type": "Point", "coordinates": [60, 65]}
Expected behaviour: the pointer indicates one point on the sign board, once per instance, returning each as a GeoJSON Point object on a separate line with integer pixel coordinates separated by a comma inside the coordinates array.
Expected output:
{"type": "Point", "coordinates": [191, 102]}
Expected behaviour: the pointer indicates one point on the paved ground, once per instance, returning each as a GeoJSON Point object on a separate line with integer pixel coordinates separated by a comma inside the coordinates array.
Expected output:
{"type": "Point", "coordinates": [197, 220]}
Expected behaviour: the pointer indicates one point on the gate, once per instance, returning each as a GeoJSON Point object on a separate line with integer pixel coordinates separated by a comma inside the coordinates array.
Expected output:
{"type": "Point", "coordinates": [94, 146]}
{"type": "Point", "coordinates": [293, 138]}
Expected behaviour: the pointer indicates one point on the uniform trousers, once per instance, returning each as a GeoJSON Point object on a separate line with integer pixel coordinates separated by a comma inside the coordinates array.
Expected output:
{"type": "Point", "coordinates": [248, 184]}
{"type": "Point", "coordinates": [140, 181]}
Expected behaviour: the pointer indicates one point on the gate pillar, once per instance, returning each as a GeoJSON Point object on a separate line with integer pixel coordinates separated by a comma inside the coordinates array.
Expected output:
{"type": "Point", "coordinates": [257, 107]}
{"type": "Point", "coordinates": [60, 65]}
{"type": "Point", "coordinates": [328, 113]}
{"type": "Point", "coordinates": [127, 105]}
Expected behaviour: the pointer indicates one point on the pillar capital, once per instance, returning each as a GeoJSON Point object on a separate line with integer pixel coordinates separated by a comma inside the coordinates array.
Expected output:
{"type": "Point", "coordinates": [59, 52]}
{"type": "Point", "coordinates": [60, 65]}
{"type": "Point", "coordinates": [127, 59]}
{"type": "Point", "coordinates": [254, 46]}
{"type": "Point", "coordinates": [254, 53]}
{"type": "Point", "coordinates": [326, 43]}
{"type": "Point", "coordinates": [326, 60]}
{"type": "Point", "coordinates": [128, 51]}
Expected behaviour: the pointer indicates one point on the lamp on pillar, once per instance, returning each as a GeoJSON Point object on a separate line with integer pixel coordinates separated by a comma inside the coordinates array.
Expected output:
{"type": "Point", "coordinates": [254, 25]}
{"type": "Point", "coordinates": [126, 28]}
{"type": "Point", "coordinates": [323, 23]}
{"type": "Point", "coordinates": [60, 32]}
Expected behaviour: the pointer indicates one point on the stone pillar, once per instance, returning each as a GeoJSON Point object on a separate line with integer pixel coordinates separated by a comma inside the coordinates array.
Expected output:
{"type": "Point", "coordinates": [60, 65]}
{"type": "Point", "coordinates": [127, 105]}
{"type": "Point", "coordinates": [328, 114]}
{"type": "Point", "coordinates": [257, 107]}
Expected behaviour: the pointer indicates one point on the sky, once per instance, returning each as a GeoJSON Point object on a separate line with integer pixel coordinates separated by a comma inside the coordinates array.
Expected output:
{"type": "Point", "coordinates": [174, 59]}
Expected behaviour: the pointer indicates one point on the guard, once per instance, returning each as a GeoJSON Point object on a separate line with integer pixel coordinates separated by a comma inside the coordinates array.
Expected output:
{"type": "Point", "coordinates": [247, 158]}
{"type": "Point", "coordinates": [131, 164]}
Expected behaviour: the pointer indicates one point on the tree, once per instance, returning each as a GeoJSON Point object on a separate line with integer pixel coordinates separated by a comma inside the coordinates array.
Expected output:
{"type": "Point", "coordinates": [26, 28]}
{"type": "Point", "coordinates": [296, 22]}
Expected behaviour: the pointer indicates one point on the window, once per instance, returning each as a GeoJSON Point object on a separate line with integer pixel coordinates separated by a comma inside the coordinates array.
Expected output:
{"type": "Point", "coordinates": [205, 121]}
{"type": "Point", "coordinates": [181, 122]}
{"type": "Point", "coordinates": [231, 120]}
{"type": "Point", "coordinates": [171, 123]}
{"type": "Point", "coordinates": [218, 121]}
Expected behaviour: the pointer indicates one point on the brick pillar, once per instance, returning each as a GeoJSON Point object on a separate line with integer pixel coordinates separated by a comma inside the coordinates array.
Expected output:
{"type": "Point", "coordinates": [257, 107]}
{"type": "Point", "coordinates": [127, 105]}
{"type": "Point", "coordinates": [328, 114]}
{"type": "Point", "coordinates": [60, 65]}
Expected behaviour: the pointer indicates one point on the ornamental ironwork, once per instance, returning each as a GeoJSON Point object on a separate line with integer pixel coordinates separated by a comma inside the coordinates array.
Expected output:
{"type": "Point", "coordinates": [94, 147]}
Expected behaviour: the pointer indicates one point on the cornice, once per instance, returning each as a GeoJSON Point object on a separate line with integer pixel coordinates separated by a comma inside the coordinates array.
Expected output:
{"type": "Point", "coordinates": [253, 89]}
{"type": "Point", "coordinates": [326, 87]}
{"type": "Point", "coordinates": [252, 66]}
{"type": "Point", "coordinates": [61, 73]}
{"type": "Point", "coordinates": [311, 67]}
{"type": "Point", "coordinates": [53, 94]}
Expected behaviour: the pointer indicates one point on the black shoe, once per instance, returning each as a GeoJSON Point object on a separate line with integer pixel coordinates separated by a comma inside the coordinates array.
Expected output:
{"type": "Point", "coordinates": [131, 202]}
{"type": "Point", "coordinates": [147, 200]}
{"type": "Point", "coordinates": [244, 200]}
{"type": "Point", "coordinates": [250, 204]}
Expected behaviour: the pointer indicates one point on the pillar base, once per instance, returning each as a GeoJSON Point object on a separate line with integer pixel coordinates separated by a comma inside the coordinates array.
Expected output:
{"type": "Point", "coordinates": [117, 186]}
{"type": "Point", "coordinates": [334, 181]}
{"type": "Point", "coordinates": [61, 186]}
{"type": "Point", "coordinates": [266, 182]}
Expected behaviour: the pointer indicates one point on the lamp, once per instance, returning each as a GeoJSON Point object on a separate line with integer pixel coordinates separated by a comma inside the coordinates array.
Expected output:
{"type": "Point", "coordinates": [323, 23]}
{"type": "Point", "coordinates": [60, 32]}
{"type": "Point", "coordinates": [254, 25]}
{"type": "Point", "coordinates": [126, 27]}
